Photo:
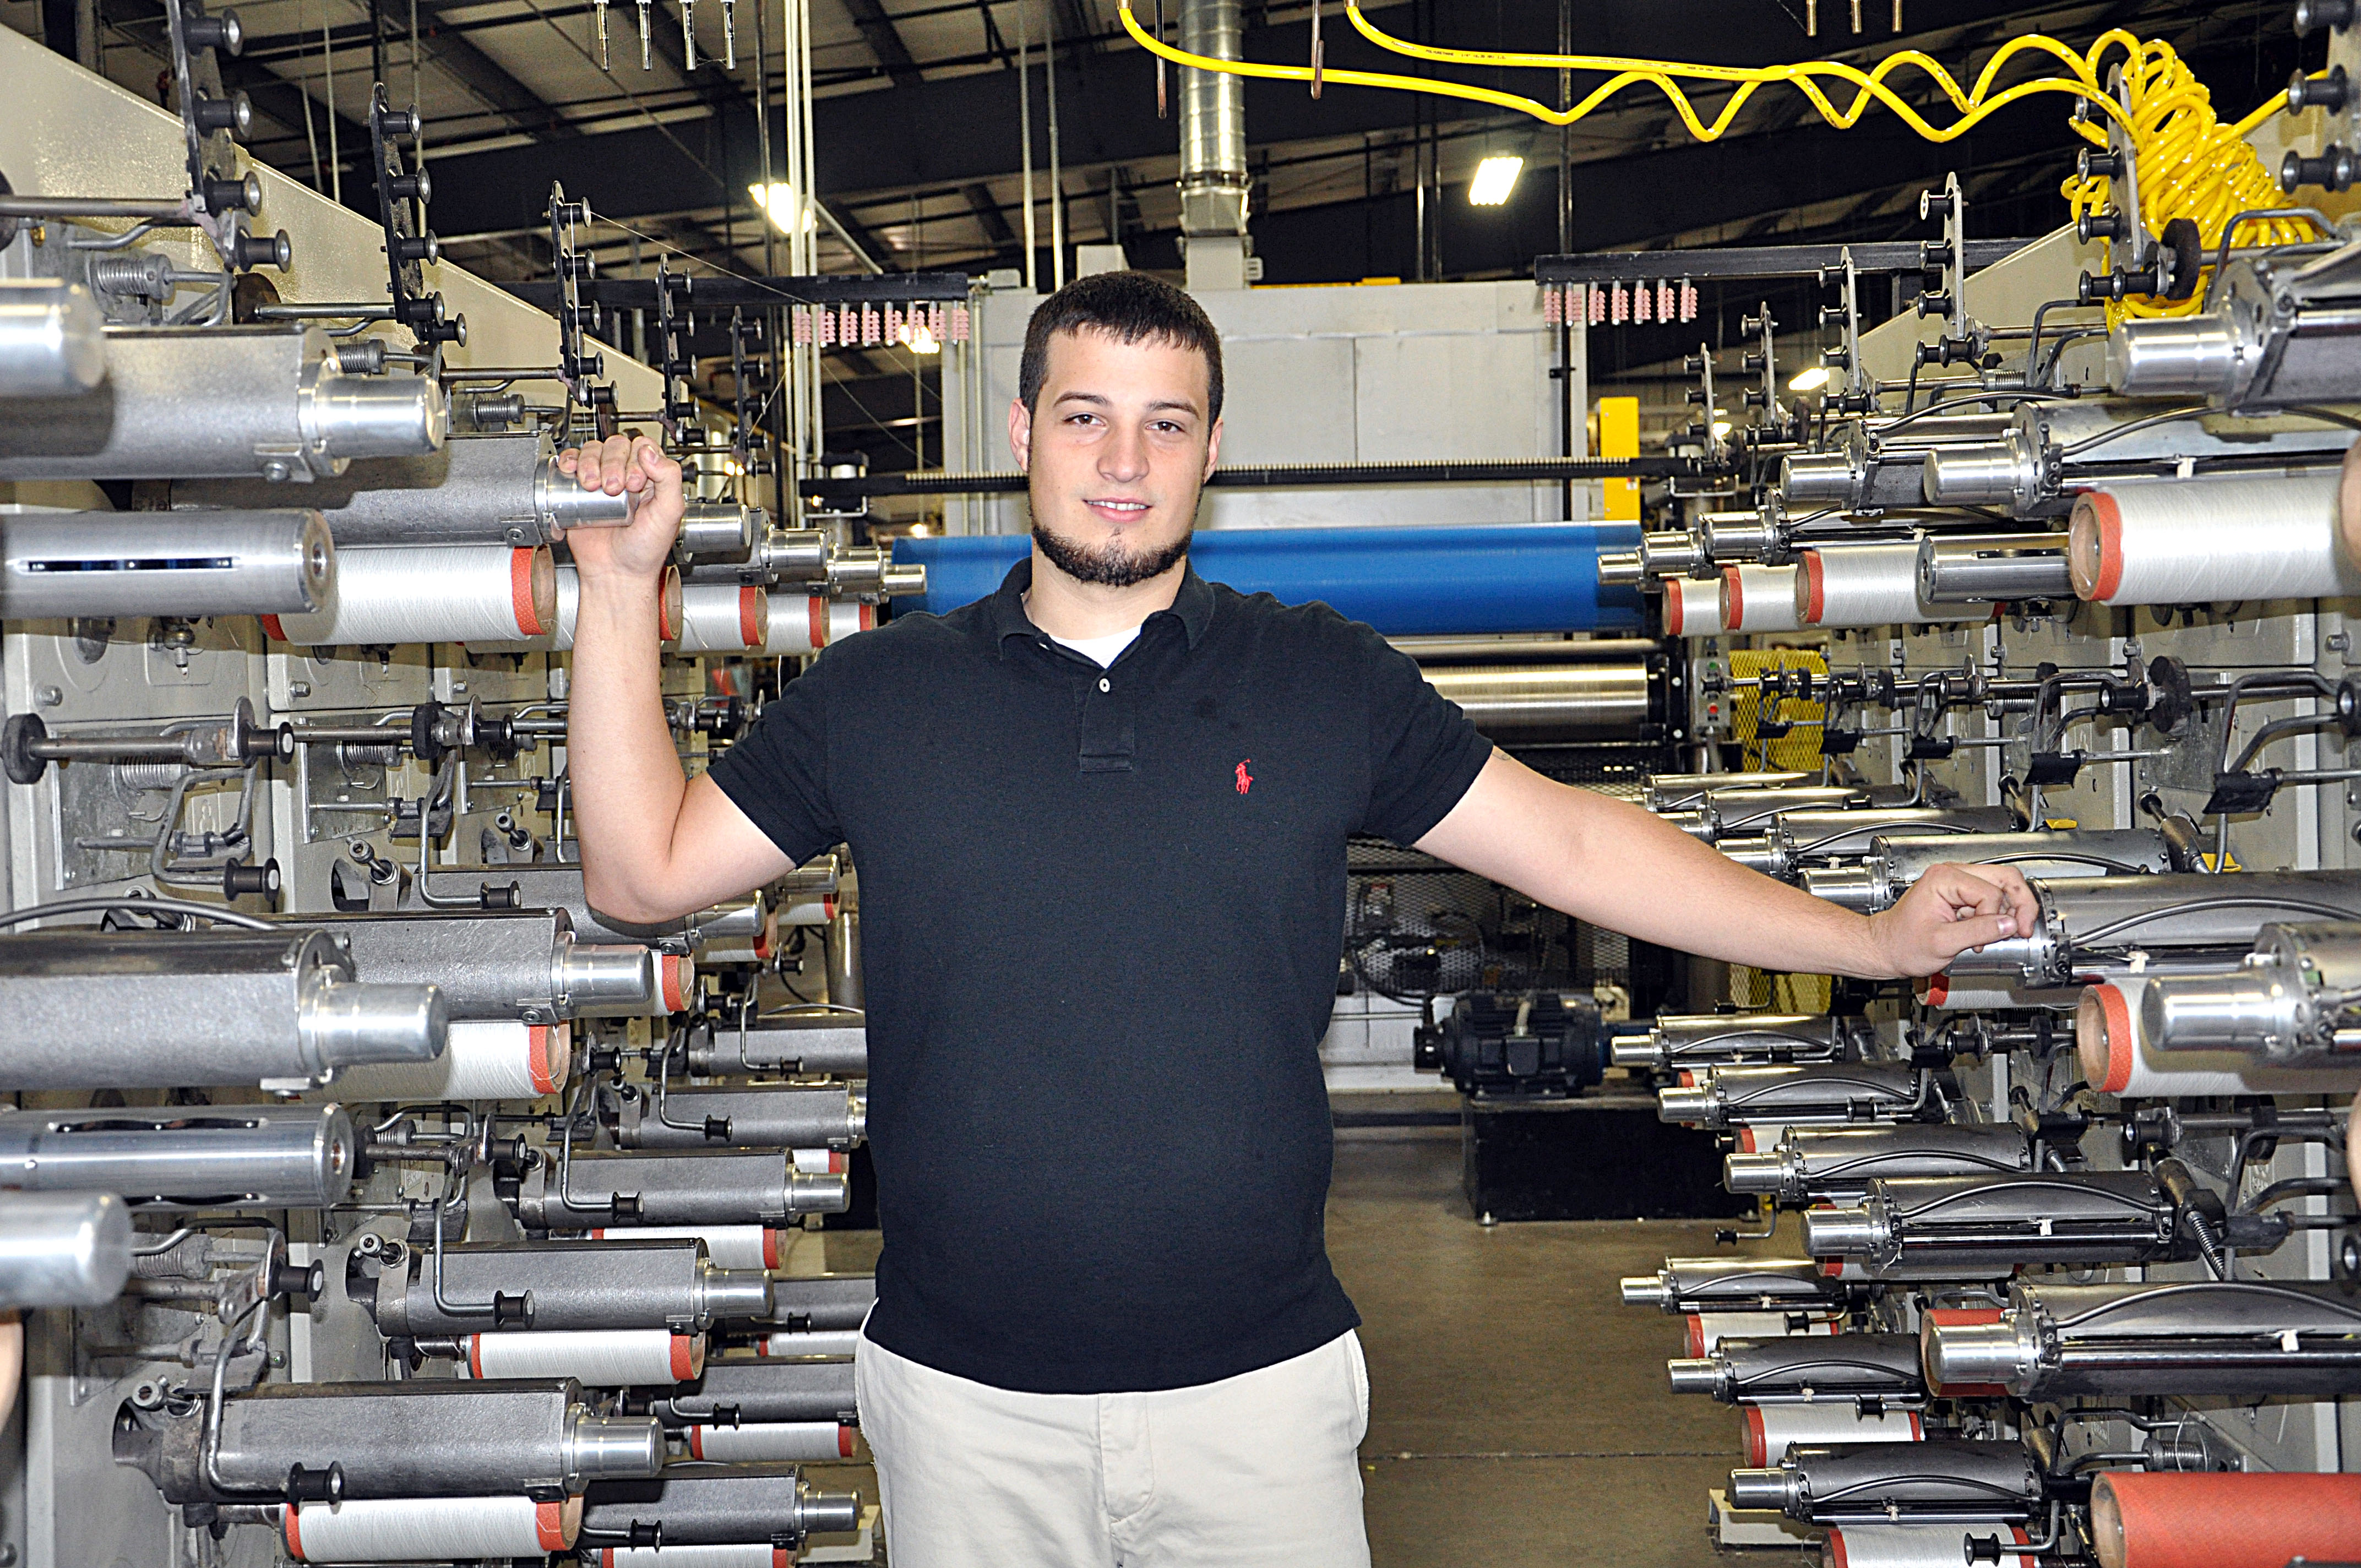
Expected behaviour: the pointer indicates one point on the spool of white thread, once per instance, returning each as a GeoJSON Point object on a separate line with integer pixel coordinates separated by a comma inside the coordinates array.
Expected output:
{"type": "Point", "coordinates": [728, 1247]}
{"type": "Point", "coordinates": [1770, 1428]}
{"type": "Point", "coordinates": [485, 1059]}
{"type": "Point", "coordinates": [2117, 1058]}
{"type": "Point", "coordinates": [1759, 598]}
{"type": "Point", "coordinates": [809, 622]}
{"type": "Point", "coordinates": [1705, 1330]}
{"type": "Point", "coordinates": [603, 1358]}
{"type": "Point", "coordinates": [780, 1442]}
{"type": "Point", "coordinates": [1911, 1546]}
{"type": "Point", "coordinates": [757, 1554]}
{"type": "Point", "coordinates": [444, 593]}
{"type": "Point", "coordinates": [811, 912]}
{"type": "Point", "coordinates": [1692, 606]}
{"type": "Point", "coordinates": [2209, 542]}
{"type": "Point", "coordinates": [723, 618]}
{"type": "Point", "coordinates": [812, 1342]}
{"type": "Point", "coordinates": [428, 1529]}
{"type": "Point", "coordinates": [818, 1162]}
{"type": "Point", "coordinates": [569, 609]}
{"type": "Point", "coordinates": [1868, 585]}
{"type": "Point", "coordinates": [1985, 994]}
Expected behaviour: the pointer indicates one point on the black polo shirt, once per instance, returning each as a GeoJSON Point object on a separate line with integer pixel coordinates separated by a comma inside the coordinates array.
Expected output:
{"type": "Point", "coordinates": [1101, 914]}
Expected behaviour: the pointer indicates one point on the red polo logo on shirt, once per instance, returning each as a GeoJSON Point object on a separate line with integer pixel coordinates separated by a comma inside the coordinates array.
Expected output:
{"type": "Point", "coordinates": [1245, 779]}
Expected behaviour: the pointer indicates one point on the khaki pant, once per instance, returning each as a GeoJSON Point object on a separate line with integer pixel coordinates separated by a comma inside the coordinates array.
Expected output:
{"type": "Point", "coordinates": [1262, 1468]}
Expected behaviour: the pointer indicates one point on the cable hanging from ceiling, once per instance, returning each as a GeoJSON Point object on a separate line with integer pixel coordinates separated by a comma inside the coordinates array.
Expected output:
{"type": "Point", "coordinates": [2190, 164]}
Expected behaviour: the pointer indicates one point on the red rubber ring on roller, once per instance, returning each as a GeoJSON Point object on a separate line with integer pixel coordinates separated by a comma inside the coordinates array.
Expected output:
{"type": "Point", "coordinates": [1674, 603]}
{"type": "Point", "coordinates": [748, 632]}
{"type": "Point", "coordinates": [1695, 1336]}
{"type": "Point", "coordinates": [844, 1442]}
{"type": "Point", "coordinates": [520, 593]}
{"type": "Point", "coordinates": [1815, 605]}
{"type": "Point", "coordinates": [868, 617]}
{"type": "Point", "coordinates": [676, 983]}
{"type": "Point", "coordinates": [815, 611]}
{"type": "Point", "coordinates": [1758, 1441]}
{"type": "Point", "coordinates": [770, 1248]}
{"type": "Point", "coordinates": [277, 633]}
{"type": "Point", "coordinates": [684, 1357]}
{"type": "Point", "coordinates": [1733, 600]}
{"type": "Point", "coordinates": [696, 1442]}
{"type": "Point", "coordinates": [2119, 1038]}
{"type": "Point", "coordinates": [2111, 545]}
{"type": "Point", "coordinates": [549, 1522]}
{"type": "Point", "coordinates": [539, 1057]}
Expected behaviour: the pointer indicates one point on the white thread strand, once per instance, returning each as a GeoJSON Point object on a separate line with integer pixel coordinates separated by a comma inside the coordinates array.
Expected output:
{"type": "Point", "coordinates": [429, 1529]}
{"type": "Point", "coordinates": [723, 618]}
{"type": "Point", "coordinates": [1757, 599]}
{"type": "Point", "coordinates": [1868, 585]}
{"type": "Point", "coordinates": [728, 1247]}
{"type": "Point", "coordinates": [805, 623]}
{"type": "Point", "coordinates": [2115, 1057]}
{"type": "Point", "coordinates": [782, 1442]}
{"type": "Point", "coordinates": [456, 593]}
{"type": "Point", "coordinates": [603, 1358]}
{"type": "Point", "coordinates": [1770, 1428]}
{"type": "Point", "coordinates": [760, 1554]}
{"type": "Point", "coordinates": [1911, 1546]}
{"type": "Point", "coordinates": [484, 1058]}
{"type": "Point", "coordinates": [2210, 542]}
{"type": "Point", "coordinates": [813, 1342]}
{"type": "Point", "coordinates": [1692, 606]}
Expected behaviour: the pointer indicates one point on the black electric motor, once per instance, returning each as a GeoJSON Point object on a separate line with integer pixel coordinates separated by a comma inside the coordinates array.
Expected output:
{"type": "Point", "coordinates": [1535, 1043]}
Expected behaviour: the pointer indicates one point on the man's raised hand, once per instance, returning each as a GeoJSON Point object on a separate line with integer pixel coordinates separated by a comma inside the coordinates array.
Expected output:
{"type": "Point", "coordinates": [633, 466]}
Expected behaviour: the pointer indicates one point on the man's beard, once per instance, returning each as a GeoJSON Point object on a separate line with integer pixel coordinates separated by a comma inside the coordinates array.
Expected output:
{"type": "Point", "coordinates": [1112, 565]}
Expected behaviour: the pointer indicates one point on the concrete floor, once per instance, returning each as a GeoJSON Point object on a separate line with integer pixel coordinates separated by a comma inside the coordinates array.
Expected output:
{"type": "Point", "coordinates": [1518, 1410]}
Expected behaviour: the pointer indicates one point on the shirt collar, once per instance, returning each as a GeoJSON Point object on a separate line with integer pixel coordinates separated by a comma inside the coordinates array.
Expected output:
{"type": "Point", "coordinates": [1006, 617]}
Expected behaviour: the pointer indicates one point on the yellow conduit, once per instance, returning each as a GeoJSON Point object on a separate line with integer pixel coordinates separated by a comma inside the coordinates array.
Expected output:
{"type": "Point", "coordinates": [2190, 164]}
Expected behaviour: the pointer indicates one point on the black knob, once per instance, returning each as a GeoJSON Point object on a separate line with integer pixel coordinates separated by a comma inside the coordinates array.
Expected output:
{"type": "Point", "coordinates": [1756, 398]}
{"type": "Point", "coordinates": [399, 122]}
{"type": "Point", "coordinates": [235, 195]}
{"type": "Point", "coordinates": [1934, 204]}
{"type": "Point", "coordinates": [1696, 395]}
{"type": "Point", "coordinates": [2093, 163]}
{"type": "Point", "coordinates": [2099, 225]}
{"type": "Point", "coordinates": [1935, 305]}
{"type": "Point", "coordinates": [2311, 15]}
{"type": "Point", "coordinates": [240, 880]}
{"type": "Point", "coordinates": [1832, 315]}
{"type": "Point", "coordinates": [305, 1279]}
{"type": "Point", "coordinates": [2318, 92]}
{"type": "Point", "coordinates": [1748, 325]}
{"type": "Point", "coordinates": [420, 185]}
{"type": "Point", "coordinates": [315, 1485]}
{"type": "Point", "coordinates": [1694, 363]}
{"type": "Point", "coordinates": [624, 1205]}
{"type": "Point", "coordinates": [1755, 364]}
{"type": "Point", "coordinates": [232, 114]}
{"type": "Point", "coordinates": [263, 251]}
{"type": "Point", "coordinates": [512, 1311]}
{"type": "Point", "coordinates": [2333, 169]}
{"type": "Point", "coordinates": [223, 32]}
{"type": "Point", "coordinates": [416, 247]}
{"type": "Point", "coordinates": [717, 1129]}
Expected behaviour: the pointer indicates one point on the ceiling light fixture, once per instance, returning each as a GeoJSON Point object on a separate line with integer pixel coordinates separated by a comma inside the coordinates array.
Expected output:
{"type": "Point", "coordinates": [1494, 177]}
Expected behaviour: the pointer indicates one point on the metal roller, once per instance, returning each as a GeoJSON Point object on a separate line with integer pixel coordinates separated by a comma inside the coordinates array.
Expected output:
{"type": "Point", "coordinates": [560, 887]}
{"type": "Point", "coordinates": [1804, 1368]}
{"type": "Point", "coordinates": [52, 339]}
{"type": "Point", "coordinates": [1718, 813]}
{"type": "Point", "coordinates": [477, 489]}
{"type": "Point", "coordinates": [1879, 466]}
{"type": "Point", "coordinates": [2289, 1003]}
{"type": "Point", "coordinates": [1993, 568]}
{"type": "Point", "coordinates": [1734, 1284]}
{"type": "Point", "coordinates": [59, 564]}
{"type": "Point", "coordinates": [717, 534]}
{"type": "Point", "coordinates": [761, 1389]}
{"type": "Point", "coordinates": [1987, 1227]}
{"type": "Point", "coordinates": [819, 1041]}
{"type": "Point", "coordinates": [2087, 923]}
{"type": "Point", "coordinates": [775, 557]}
{"type": "Point", "coordinates": [1940, 1481]}
{"type": "Point", "coordinates": [772, 1116]}
{"type": "Point", "coordinates": [62, 1249]}
{"type": "Point", "coordinates": [1797, 838]}
{"type": "Point", "coordinates": [1896, 860]}
{"type": "Point", "coordinates": [265, 402]}
{"type": "Point", "coordinates": [715, 1504]}
{"type": "Point", "coordinates": [699, 1189]}
{"type": "Point", "coordinates": [822, 1302]}
{"type": "Point", "coordinates": [554, 1285]}
{"type": "Point", "coordinates": [2028, 472]}
{"type": "Point", "coordinates": [278, 1009]}
{"type": "Point", "coordinates": [422, 1438]}
{"type": "Point", "coordinates": [1557, 701]}
{"type": "Point", "coordinates": [1816, 1094]}
{"type": "Point", "coordinates": [523, 963]}
{"type": "Point", "coordinates": [1682, 792]}
{"type": "Point", "coordinates": [1818, 1166]}
{"type": "Point", "coordinates": [1717, 1039]}
{"type": "Point", "coordinates": [2186, 1339]}
{"type": "Point", "coordinates": [223, 1157]}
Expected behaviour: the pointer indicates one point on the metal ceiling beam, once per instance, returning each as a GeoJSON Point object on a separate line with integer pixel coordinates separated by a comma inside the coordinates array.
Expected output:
{"type": "Point", "coordinates": [885, 41]}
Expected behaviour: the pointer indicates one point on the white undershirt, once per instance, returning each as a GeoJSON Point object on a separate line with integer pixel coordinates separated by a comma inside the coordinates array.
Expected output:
{"type": "Point", "coordinates": [1101, 651]}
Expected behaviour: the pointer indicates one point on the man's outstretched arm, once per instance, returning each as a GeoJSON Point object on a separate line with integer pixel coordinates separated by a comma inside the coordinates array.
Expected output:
{"type": "Point", "coordinates": [654, 844]}
{"type": "Point", "coordinates": [1615, 865]}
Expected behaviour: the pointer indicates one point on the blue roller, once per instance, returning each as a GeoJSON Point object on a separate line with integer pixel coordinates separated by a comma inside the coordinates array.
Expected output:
{"type": "Point", "coordinates": [1406, 582]}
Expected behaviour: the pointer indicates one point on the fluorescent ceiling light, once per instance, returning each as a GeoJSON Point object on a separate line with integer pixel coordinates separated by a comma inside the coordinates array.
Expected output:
{"type": "Point", "coordinates": [1720, 428]}
{"type": "Point", "coordinates": [1810, 380]}
{"type": "Point", "coordinates": [922, 341]}
{"type": "Point", "coordinates": [1494, 177]}
{"type": "Point", "coordinates": [779, 200]}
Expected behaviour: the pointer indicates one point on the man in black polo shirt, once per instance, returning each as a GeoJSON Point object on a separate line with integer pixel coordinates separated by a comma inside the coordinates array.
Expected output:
{"type": "Point", "coordinates": [1100, 820]}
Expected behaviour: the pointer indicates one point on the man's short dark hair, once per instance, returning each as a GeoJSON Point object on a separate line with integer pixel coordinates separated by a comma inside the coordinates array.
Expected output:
{"type": "Point", "coordinates": [1128, 307]}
